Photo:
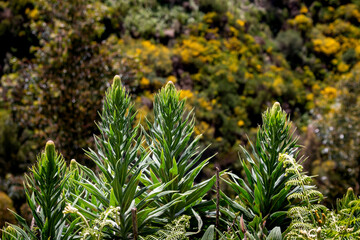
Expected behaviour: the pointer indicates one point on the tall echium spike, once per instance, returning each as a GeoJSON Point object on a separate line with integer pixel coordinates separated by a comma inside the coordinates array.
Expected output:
{"type": "Point", "coordinates": [275, 108]}
{"type": "Point", "coordinates": [170, 84]}
{"type": "Point", "coordinates": [116, 81]}
{"type": "Point", "coordinates": [176, 155]}
{"type": "Point", "coordinates": [264, 193]}
{"type": "Point", "coordinates": [73, 165]}
{"type": "Point", "coordinates": [350, 195]}
{"type": "Point", "coordinates": [44, 188]}
{"type": "Point", "coordinates": [50, 149]}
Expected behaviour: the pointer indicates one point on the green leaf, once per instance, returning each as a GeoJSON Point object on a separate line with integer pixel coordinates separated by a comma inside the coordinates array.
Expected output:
{"type": "Point", "coordinates": [275, 234]}
{"type": "Point", "coordinates": [209, 233]}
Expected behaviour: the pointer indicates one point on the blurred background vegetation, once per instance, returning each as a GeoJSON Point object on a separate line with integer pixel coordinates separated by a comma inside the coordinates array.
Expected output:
{"type": "Point", "coordinates": [232, 59]}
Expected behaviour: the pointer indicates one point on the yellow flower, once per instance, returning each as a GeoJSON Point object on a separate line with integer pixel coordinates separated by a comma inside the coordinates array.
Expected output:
{"type": "Point", "coordinates": [33, 14]}
{"type": "Point", "coordinates": [234, 31]}
{"type": "Point", "coordinates": [258, 67]}
{"type": "Point", "coordinates": [230, 78]}
{"type": "Point", "coordinates": [329, 92]}
{"type": "Point", "coordinates": [303, 9]}
{"type": "Point", "coordinates": [315, 87]}
{"type": "Point", "coordinates": [310, 96]}
{"type": "Point", "coordinates": [144, 81]}
{"type": "Point", "coordinates": [304, 129]}
{"type": "Point", "coordinates": [208, 18]}
{"type": "Point", "coordinates": [342, 67]}
{"type": "Point", "coordinates": [240, 22]}
{"type": "Point", "coordinates": [357, 50]}
{"type": "Point", "coordinates": [278, 84]}
{"type": "Point", "coordinates": [249, 75]}
{"type": "Point", "coordinates": [269, 50]}
{"type": "Point", "coordinates": [186, 94]}
{"type": "Point", "coordinates": [302, 22]}
{"type": "Point", "coordinates": [205, 104]}
{"type": "Point", "coordinates": [240, 123]}
{"type": "Point", "coordinates": [148, 45]}
{"type": "Point", "coordinates": [230, 16]}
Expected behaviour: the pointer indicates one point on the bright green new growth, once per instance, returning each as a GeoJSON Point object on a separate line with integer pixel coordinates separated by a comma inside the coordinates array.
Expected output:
{"type": "Point", "coordinates": [44, 189]}
{"type": "Point", "coordinates": [109, 198]}
{"type": "Point", "coordinates": [264, 196]}
{"type": "Point", "coordinates": [175, 156]}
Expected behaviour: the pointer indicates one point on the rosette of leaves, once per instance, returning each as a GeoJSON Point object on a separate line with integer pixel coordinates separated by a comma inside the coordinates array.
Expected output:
{"type": "Point", "coordinates": [44, 190]}
{"type": "Point", "coordinates": [176, 156]}
{"type": "Point", "coordinates": [263, 196]}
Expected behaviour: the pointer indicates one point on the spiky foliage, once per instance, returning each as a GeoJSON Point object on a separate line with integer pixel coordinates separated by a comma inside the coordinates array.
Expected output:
{"type": "Point", "coordinates": [175, 155]}
{"type": "Point", "coordinates": [44, 189]}
{"type": "Point", "coordinates": [264, 195]}
{"type": "Point", "coordinates": [109, 197]}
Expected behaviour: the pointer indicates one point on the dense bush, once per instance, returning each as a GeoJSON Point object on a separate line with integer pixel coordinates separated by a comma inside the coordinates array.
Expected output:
{"type": "Point", "coordinates": [16, 36]}
{"type": "Point", "coordinates": [55, 98]}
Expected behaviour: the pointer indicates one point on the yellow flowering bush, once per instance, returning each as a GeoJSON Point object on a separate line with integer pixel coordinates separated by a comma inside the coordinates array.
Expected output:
{"type": "Point", "coordinates": [327, 45]}
{"type": "Point", "coordinates": [232, 59]}
{"type": "Point", "coordinates": [302, 22]}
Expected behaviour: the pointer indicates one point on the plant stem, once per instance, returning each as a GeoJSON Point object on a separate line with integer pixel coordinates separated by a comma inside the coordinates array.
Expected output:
{"type": "Point", "coordinates": [134, 220]}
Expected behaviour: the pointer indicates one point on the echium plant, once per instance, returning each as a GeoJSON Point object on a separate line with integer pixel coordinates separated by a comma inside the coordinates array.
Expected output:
{"type": "Point", "coordinates": [263, 196]}
{"type": "Point", "coordinates": [175, 155]}
{"type": "Point", "coordinates": [110, 200]}
{"type": "Point", "coordinates": [44, 189]}
{"type": "Point", "coordinates": [136, 192]}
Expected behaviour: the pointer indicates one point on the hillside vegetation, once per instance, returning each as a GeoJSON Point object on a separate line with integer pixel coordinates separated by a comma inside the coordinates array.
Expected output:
{"type": "Point", "coordinates": [232, 60]}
